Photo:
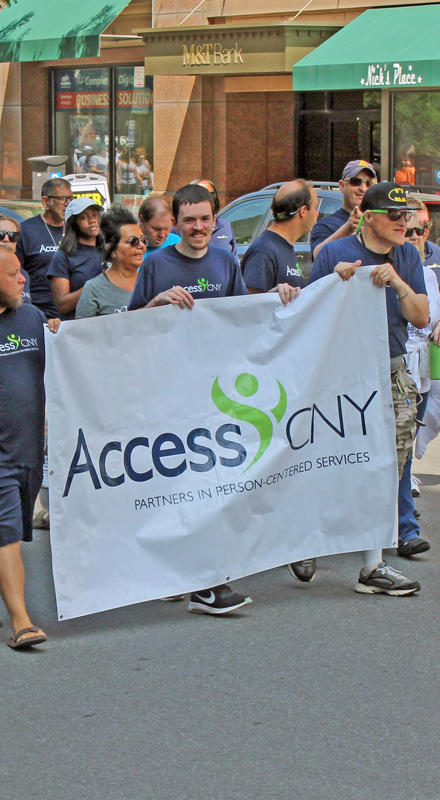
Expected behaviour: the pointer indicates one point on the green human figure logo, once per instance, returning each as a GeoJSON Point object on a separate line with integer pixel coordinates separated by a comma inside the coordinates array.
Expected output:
{"type": "Point", "coordinates": [203, 283]}
{"type": "Point", "coordinates": [247, 385]}
{"type": "Point", "coordinates": [14, 340]}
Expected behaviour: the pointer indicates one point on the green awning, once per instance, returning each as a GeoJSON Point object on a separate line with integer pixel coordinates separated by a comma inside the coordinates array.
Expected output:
{"type": "Point", "coordinates": [382, 48]}
{"type": "Point", "coordinates": [40, 30]}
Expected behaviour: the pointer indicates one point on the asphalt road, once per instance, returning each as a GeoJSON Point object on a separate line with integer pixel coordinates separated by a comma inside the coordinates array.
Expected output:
{"type": "Point", "coordinates": [312, 693]}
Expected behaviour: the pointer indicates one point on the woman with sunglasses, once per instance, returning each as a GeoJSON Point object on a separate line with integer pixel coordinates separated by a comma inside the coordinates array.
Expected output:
{"type": "Point", "coordinates": [9, 235]}
{"type": "Point", "coordinates": [110, 292]}
{"type": "Point", "coordinates": [80, 255]}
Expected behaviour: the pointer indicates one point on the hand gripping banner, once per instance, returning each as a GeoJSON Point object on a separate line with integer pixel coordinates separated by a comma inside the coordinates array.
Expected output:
{"type": "Point", "coordinates": [190, 448]}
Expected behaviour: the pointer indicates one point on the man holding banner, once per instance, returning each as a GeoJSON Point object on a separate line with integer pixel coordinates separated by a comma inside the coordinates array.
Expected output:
{"type": "Point", "coordinates": [380, 241]}
{"type": "Point", "coordinates": [189, 270]}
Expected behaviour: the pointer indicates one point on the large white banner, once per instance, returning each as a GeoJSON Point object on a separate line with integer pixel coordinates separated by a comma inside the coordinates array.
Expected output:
{"type": "Point", "coordinates": [190, 448]}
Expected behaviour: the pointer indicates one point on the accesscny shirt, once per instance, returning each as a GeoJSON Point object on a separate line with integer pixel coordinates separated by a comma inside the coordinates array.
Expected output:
{"type": "Point", "coordinates": [22, 386]}
{"type": "Point", "coordinates": [35, 249]}
{"type": "Point", "coordinates": [271, 260]}
{"type": "Point", "coordinates": [216, 274]}
{"type": "Point", "coordinates": [407, 264]}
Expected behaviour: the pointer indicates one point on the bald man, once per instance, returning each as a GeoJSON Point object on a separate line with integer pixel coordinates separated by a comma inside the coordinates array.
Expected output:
{"type": "Point", "coordinates": [271, 260]}
{"type": "Point", "coordinates": [21, 438]}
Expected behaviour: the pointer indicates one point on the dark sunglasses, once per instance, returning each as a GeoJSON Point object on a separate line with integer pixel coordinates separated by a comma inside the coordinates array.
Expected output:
{"type": "Point", "coordinates": [135, 241]}
{"type": "Point", "coordinates": [13, 236]}
{"type": "Point", "coordinates": [394, 216]}
{"type": "Point", "coordinates": [359, 181]}
{"type": "Point", "coordinates": [419, 231]}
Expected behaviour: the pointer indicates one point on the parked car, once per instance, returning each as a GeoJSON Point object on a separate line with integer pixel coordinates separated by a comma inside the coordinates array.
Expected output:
{"type": "Point", "coordinates": [250, 215]}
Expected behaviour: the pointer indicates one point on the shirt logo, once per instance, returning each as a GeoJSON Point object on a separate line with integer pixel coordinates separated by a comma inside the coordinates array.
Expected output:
{"type": "Point", "coordinates": [49, 249]}
{"type": "Point", "coordinates": [15, 343]}
{"type": "Point", "coordinates": [294, 271]}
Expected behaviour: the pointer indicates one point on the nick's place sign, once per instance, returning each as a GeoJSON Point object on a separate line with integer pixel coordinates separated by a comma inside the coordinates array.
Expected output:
{"type": "Point", "coordinates": [395, 75]}
{"type": "Point", "coordinates": [210, 53]}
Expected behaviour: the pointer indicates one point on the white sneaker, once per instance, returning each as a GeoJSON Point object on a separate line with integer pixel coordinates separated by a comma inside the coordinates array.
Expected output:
{"type": "Point", "coordinates": [415, 483]}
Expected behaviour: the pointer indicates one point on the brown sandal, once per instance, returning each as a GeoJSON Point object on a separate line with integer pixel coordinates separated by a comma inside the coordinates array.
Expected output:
{"type": "Point", "coordinates": [30, 641]}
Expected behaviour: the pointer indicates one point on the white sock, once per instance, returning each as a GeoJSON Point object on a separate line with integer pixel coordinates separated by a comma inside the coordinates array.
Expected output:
{"type": "Point", "coordinates": [372, 559]}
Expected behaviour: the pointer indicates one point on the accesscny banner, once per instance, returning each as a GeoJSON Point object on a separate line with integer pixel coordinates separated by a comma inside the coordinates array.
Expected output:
{"type": "Point", "coordinates": [190, 448]}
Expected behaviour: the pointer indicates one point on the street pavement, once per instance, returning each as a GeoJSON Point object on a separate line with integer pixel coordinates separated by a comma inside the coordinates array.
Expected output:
{"type": "Point", "coordinates": [312, 693]}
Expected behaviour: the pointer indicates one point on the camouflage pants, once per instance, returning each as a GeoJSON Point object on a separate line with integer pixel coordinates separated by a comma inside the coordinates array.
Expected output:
{"type": "Point", "coordinates": [404, 393]}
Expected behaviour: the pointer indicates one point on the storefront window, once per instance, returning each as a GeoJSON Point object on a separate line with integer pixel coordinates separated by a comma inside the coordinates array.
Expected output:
{"type": "Point", "coordinates": [134, 176]}
{"type": "Point", "coordinates": [84, 108]}
{"type": "Point", "coordinates": [82, 119]}
{"type": "Point", "coordinates": [416, 143]}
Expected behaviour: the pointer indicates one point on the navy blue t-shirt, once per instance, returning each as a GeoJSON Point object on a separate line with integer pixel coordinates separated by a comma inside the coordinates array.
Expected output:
{"type": "Point", "coordinates": [22, 387]}
{"type": "Point", "coordinates": [328, 225]}
{"type": "Point", "coordinates": [26, 294]}
{"type": "Point", "coordinates": [223, 236]}
{"type": "Point", "coordinates": [77, 269]}
{"type": "Point", "coordinates": [216, 274]}
{"type": "Point", "coordinates": [407, 264]}
{"type": "Point", "coordinates": [35, 249]}
{"type": "Point", "coordinates": [271, 260]}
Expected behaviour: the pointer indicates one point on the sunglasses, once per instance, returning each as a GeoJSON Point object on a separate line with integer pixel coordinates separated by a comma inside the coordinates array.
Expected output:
{"type": "Point", "coordinates": [63, 198]}
{"type": "Point", "coordinates": [359, 181]}
{"type": "Point", "coordinates": [13, 236]}
{"type": "Point", "coordinates": [135, 241]}
{"type": "Point", "coordinates": [394, 215]}
{"type": "Point", "coordinates": [409, 232]}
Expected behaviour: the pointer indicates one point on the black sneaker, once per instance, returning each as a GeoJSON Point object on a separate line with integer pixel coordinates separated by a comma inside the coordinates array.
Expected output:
{"type": "Point", "coordinates": [218, 600]}
{"type": "Point", "coordinates": [303, 570]}
{"type": "Point", "coordinates": [413, 547]}
{"type": "Point", "coordinates": [385, 580]}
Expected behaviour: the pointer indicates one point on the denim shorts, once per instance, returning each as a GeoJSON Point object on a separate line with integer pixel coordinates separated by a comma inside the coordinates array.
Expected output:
{"type": "Point", "coordinates": [19, 487]}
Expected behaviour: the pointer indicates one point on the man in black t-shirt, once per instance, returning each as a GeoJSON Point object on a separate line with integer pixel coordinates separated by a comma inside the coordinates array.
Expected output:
{"type": "Point", "coordinates": [271, 260]}
{"type": "Point", "coordinates": [40, 238]}
{"type": "Point", "coordinates": [21, 439]}
{"type": "Point", "coordinates": [357, 177]}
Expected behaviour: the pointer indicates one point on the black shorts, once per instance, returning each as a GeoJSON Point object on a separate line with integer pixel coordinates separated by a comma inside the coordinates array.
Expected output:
{"type": "Point", "coordinates": [19, 487]}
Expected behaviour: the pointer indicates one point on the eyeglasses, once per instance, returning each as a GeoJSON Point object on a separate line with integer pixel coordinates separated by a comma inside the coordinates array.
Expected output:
{"type": "Point", "coordinates": [419, 231]}
{"type": "Point", "coordinates": [394, 215]}
{"type": "Point", "coordinates": [359, 181]}
{"type": "Point", "coordinates": [63, 198]}
{"type": "Point", "coordinates": [135, 241]}
{"type": "Point", "coordinates": [13, 236]}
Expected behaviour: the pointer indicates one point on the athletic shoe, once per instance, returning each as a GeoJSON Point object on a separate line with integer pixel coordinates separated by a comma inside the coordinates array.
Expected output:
{"type": "Point", "coordinates": [415, 482]}
{"type": "Point", "coordinates": [218, 600]}
{"type": "Point", "coordinates": [417, 514]}
{"type": "Point", "coordinates": [413, 547]}
{"type": "Point", "coordinates": [173, 599]}
{"type": "Point", "coordinates": [303, 570]}
{"type": "Point", "coordinates": [385, 580]}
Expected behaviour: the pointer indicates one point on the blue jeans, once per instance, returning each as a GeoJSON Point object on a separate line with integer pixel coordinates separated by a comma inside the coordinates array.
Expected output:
{"type": "Point", "coordinates": [408, 526]}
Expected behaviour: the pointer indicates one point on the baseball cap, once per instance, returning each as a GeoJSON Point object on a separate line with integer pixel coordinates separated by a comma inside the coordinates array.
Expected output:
{"type": "Point", "coordinates": [386, 195]}
{"type": "Point", "coordinates": [79, 204]}
{"type": "Point", "coordinates": [354, 167]}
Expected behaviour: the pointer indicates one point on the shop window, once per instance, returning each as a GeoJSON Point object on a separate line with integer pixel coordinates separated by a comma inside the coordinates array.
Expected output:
{"type": "Point", "coordinates": [85, 106]}
{"type": "Point", "coordinates": [82, 118]}
{"type": "Point", "coordinates": [134, 176]}
{"type": "Point", "coordinates": [416, 143]}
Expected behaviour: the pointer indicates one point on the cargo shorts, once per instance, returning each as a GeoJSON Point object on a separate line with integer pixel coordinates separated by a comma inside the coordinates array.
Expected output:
{"type": "Point", "coordinates": [404, 392]}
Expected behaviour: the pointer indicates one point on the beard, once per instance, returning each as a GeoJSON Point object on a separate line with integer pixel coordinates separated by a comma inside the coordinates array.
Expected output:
{"type": "Point", "coordinates": [8, 301]}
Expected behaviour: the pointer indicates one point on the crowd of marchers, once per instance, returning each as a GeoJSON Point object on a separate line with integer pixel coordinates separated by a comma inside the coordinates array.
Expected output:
{"type": "Point", "coordinates": [75, 260]}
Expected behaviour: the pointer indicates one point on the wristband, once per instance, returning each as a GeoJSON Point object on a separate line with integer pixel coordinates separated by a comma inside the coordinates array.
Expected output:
{"type": "Point", "coordinates": [402, 296]}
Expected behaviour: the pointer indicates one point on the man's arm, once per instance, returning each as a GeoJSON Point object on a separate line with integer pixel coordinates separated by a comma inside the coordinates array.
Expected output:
{"type": "Point", "coordinates": [414, 307]}
{"type": "Point", "coordinates": [347, 229]}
